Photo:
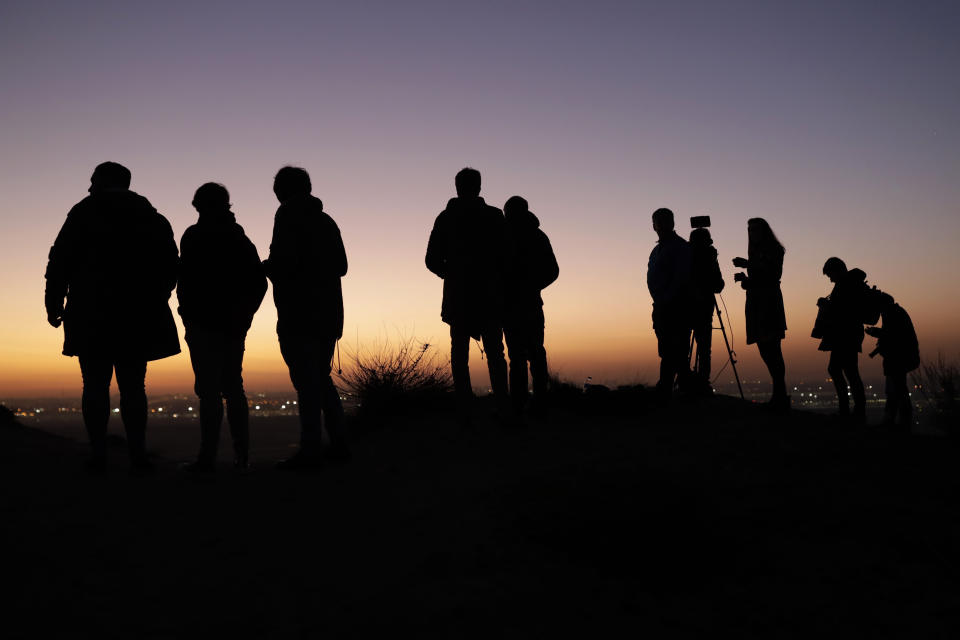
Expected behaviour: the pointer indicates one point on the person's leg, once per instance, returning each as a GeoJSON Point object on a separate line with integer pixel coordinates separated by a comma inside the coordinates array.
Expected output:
{"type": "Point", "coordinates": [703, 334]}
{"type": "Point", "coordinates": [538, 360]}
{"type": "Point", "coordinates": [296, 354]}
{"type": "Point", "coordinates": [835, 369]}
{"type": "Point", "coordinates": [772, 355]}
{"type": "Point", "coordinates": [904, 405]}
{"type": "Point", "coordinates": [890, 409]}
{"type": "Point", "coordinates": [517, 351]}
{"type": "Point", "coordinates": [238, 411]}
{"type": "Point", "coordinates": [497, 367]}
{"type": "Point", "coordinates": [133, 407]}
{"type": "Point", "coordinates": [459, 359]}
{"type": "Point", "coordinates": [333, 418]}
{"type": "Point", "coordinates": [206, 357]}
{"type": "Point", "coordinates": [96, 373]}
{"type": "Point", "coordinates": [851, 368]}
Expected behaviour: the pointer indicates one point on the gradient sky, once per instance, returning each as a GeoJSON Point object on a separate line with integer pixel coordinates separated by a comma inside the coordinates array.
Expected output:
{"type": "Point", "coordinates": [836, 121]}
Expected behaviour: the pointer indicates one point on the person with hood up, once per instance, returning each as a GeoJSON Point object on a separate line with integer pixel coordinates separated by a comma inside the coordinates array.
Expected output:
{"type": "Point", "coordinates": [531, 267]}
{"type": "Point", "coordinates": [220, 288]}
{"type": "Point", "coordinates": [839, 326]}
{"type": "Point", "coordinates": [707, 282]}
{"type": "Point", "coordinates": [115, 262]}
{"type": "Point", "coordinates": [306, 262]}
{"type": "Point", "coordinates": [898, 346]}
{"type": "Point", "coordinates": [467, 250]}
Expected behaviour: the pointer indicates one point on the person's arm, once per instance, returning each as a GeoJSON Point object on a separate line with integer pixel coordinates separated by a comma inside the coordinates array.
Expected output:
{"type": "Point", "coordinates": [59, 266]}
{"type": "Point", "coordinates": [549, 269]}
{"type": "Point", "coordinates": [186, 278]}
{"type": "Point", "coordinates": [436, 258]}
{"type": "Point", "coordinates": [336, 254]}
{"type": "Point", "coordinates": [253, 279]}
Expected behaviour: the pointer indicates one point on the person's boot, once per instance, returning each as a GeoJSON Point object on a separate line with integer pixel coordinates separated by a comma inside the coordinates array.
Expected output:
{"type": "Point", "coordinates": [305, 459]}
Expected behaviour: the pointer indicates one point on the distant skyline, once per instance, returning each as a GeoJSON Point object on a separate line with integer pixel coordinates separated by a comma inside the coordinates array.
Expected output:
{"type": "Point", "coordinates": [837, 122]}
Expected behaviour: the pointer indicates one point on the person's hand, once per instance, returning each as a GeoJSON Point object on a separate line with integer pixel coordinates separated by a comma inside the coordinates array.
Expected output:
{"type": "Point", "coordinates": [55, 318]}
{"type": "Point", "coordinates": [740, 263]}
{"type": "Point", "coordinates": [872, 331]}
{"type": "Point", "coordinates": [822, 302]}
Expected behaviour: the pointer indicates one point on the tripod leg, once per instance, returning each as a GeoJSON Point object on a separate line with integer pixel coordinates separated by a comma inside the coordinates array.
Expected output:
{"type": "Point", "coordinates": [733, 361]}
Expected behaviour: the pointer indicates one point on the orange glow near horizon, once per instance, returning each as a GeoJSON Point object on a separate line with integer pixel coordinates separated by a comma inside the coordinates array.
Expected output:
{"type": "Point", "coordinates": [839, 126]}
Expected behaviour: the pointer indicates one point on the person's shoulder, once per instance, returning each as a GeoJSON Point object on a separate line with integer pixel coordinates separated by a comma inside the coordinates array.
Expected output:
{"type": "Point", "coordinates": [191, 233]}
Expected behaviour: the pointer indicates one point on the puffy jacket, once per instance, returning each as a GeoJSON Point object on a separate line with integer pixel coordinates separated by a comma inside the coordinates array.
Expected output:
{"type": "Point", "coordinates": [115, 261]}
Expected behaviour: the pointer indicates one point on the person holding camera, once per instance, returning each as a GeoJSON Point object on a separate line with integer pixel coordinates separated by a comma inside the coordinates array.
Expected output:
{"type": "Point", "coordinates": [707, 282]}
{"type": "Point", "coordinates": [765, 316]}
{"type": "Point", "coordinates": [839, 326]}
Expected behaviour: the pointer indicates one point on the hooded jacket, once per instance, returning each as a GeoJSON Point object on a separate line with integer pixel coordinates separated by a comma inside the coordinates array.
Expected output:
{"type": "Point", "coordinates": [841, 315]}
{"type": "Point", "coordinates": [531, 265]}
{"type": "Point", "coordinates": [115, 261]}
{"type": "Point", "coordinates": [221, 282]}
{"type": "Point", "coordinates": [306, 262]}
{"type": "Point", "coordinates": [467, 249]}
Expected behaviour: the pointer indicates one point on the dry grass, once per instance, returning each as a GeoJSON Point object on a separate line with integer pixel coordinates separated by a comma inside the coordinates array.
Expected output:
{"type": "Point", "coordinates": [394, 378]}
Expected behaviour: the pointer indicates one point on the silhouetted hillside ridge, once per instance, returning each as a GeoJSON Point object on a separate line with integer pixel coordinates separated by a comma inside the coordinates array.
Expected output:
{"type": "Point", "coordinates": [716, 515]}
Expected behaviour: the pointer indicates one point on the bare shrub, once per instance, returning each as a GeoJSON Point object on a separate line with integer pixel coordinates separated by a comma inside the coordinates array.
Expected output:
{"type": "Point", "coordinates": [938, 383]}
{"type": "Point", "coordinates": [390, 379]}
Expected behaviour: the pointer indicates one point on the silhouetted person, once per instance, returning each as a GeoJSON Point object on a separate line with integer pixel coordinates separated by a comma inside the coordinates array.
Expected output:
{"type": "Point", "coordinates": [707, 282]}
{"type": "Point", "coordinates": [467, 249]}
{"type": "Point", "coordinates": [115, 261]}
{"type": "Point", "coordinates": [668, 279]}
{"type": "Point", "coordinates": [221, 286]}
{"type": "Point", "coordinates": [897, 345]}
{"type": "Point", "coordinates": [765, 317]}
{"type": "Point", "coordinates": [306, 262]}
{"type": "Point", "coordinates": [531, 267]}
{"type": "Point", "coordinates": [841, 329]}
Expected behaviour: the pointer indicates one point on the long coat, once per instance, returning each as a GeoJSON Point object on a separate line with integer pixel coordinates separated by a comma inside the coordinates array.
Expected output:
{"type": "Point", "coordinates": [766, 319]}
{"type": "Point", "coordinates": [115, 261]}
{"type": "Point", "coordinates": [306, 262]}
{"type": "Point", "coordinates": [222, 282]}
{"type": "Point", "coordinates": [467, 249]}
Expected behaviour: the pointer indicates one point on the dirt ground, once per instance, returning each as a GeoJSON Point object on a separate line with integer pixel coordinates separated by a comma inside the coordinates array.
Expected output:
{"type": "Point", "coordinates": [712, 517]}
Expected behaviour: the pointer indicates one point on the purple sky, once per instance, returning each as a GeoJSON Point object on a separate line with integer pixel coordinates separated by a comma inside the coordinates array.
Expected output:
{"type": "Point", "coordinates": [837, 121]}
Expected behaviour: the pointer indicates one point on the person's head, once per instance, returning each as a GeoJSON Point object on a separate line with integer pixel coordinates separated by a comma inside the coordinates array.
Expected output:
{"type": "Point", "coordinates": [834, 268]}
{"type": "Point", "coordinates": [291, 182]}
{"type": "Point", "coordinates": [761, 237]}
{"type": "Point", "coordinates": [109, 175]}
{"type": "Point", "coordinates": [701, 237]}
{"type": "Point", "coordinates": [467, 183]}
{"type": "Point", "coordinates": [662, 221]}
{"type": "Point", "coordinates": [211, 197]}
{"type": "Point", "coordinates": [515, 206]}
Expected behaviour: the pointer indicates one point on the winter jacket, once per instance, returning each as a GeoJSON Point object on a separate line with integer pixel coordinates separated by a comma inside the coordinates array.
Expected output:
{"type": "Point", "coordinates": [221, 282]}
{"type": "Point", "coordinates": [531, 266]}
{"type": "Point", "coordinates": [707, 279]}
{"type": "Point", "coordinates": [467, 249]}
{"type": "Point", "coordinates": [668, 273]}
{"type": "Point", "coordinates": [897, 342]}
{"type": "Point", "coordinates": [840, 319]}
{"type": "Point", "coordinates": [115, 261]}
{"type": "Point", "coordinates": [306, 262]}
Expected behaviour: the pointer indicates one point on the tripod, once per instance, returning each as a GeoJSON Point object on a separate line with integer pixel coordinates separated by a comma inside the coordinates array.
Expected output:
{"type": "Point", "coordinates": [730, 354]}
